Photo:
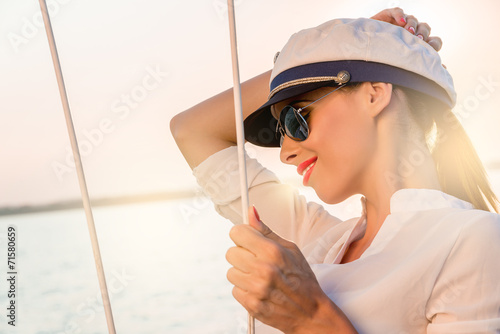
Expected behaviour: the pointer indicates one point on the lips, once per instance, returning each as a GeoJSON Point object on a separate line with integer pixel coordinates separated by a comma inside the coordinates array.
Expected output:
{"type": "Point", "coordinates": [306, 168]}
{"type": "Point", "coordinates": [303, 166]}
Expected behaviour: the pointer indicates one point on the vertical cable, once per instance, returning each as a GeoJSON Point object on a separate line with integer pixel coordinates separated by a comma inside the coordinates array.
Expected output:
{"type": "Point", "coordinates": [79, 169]}
{"type": "Point", "coordinates": [240, 133]}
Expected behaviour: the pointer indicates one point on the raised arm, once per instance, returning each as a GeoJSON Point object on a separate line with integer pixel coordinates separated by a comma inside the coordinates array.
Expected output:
{"type": "Point", "coordinates": [209, 126]}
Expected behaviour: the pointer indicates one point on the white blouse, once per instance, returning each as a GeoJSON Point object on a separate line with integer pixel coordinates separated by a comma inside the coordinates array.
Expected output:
{"type": "Point", "coordinates": [433, 267]}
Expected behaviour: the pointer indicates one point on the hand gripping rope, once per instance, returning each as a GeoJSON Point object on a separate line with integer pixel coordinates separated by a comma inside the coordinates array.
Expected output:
{"type": "Point", "coordinates": [79, 169]}
{"type": "Point", "coordinates": [240, 132]}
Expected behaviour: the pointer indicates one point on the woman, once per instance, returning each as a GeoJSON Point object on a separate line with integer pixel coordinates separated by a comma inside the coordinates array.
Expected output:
{"type": "Point", "coordinates": [357, 106]}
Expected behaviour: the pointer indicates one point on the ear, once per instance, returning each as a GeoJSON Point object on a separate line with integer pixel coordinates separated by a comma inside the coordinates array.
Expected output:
{"type": "Point", "coordinates": [377, 96]}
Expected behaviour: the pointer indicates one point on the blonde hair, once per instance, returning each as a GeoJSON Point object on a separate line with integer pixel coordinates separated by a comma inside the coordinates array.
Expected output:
{"type": "Point", "coordinates": [460, 171]}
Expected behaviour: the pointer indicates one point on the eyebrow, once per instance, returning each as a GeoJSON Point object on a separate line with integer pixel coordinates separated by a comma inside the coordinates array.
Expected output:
{"type": "Point", "coordinates": [299, 101]}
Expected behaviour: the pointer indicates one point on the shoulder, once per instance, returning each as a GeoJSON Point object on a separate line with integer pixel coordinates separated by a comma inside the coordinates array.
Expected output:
{"type": "Point", "coordinates": [458, 222]}
{"type": "Point", "coordinates": [458, 235]}
{"type": "Point", "coordinates": [466, 290]}
{"type": "Point", "coordinates": [467, 227]}
{"type": "Point", "coordinates": [477, 242]}
{"type": "Point", "coordinates": [478, 225]}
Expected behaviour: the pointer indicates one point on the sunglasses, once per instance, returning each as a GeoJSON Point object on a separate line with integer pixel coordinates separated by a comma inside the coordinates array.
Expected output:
{"type": "Point", "coordinates": [293, 124]}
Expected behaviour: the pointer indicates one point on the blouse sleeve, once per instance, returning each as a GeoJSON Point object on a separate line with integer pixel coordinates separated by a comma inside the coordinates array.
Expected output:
{"type": "Point", "coordinates": [466, 296]}
{"type": "Point", "coordinates": [280, 206]}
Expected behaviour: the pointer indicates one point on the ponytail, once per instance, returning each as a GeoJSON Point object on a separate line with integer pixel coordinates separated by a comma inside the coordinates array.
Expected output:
{"type": "Point", "coordinates": [460, 171]}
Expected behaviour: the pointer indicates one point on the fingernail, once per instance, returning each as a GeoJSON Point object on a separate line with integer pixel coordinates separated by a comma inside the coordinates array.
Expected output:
{"type": "Point", "coordinates": [256, 213]}
{"type": "Point", "coordinates": [412, 30]}
{"type": "Point", "coordinates": [420, 36]}
{"type": "Point", "coordinates": [403, 20]}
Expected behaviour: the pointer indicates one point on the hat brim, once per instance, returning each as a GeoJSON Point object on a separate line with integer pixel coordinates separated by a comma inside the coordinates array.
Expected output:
{"type": "Point", "coordinates": [260, 126]}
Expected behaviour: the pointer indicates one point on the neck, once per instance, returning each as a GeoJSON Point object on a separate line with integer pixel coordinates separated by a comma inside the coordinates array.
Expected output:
{"type": "Point", "coordinates": [398, 164]}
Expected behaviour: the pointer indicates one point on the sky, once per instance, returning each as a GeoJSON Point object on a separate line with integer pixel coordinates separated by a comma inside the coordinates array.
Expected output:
{"type": "Point", "coordinates": [131, 65]}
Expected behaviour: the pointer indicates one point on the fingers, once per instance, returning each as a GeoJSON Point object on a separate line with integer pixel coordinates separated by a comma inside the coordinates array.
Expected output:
{"type": "Point", "coordinates": [410, 23]}
{"type": "Point", "coordinates": [255, 306]}
{"type": "Point", "coordinates": [271, 277]}
{"type": "Point", "coordinates": [419, 29]}
{"type": "Point", "coordinates": [435, 42]}
{"type": "Point", "coordinates": [255, 222]}
{"type": "Point", "coordinates": [423, 31]}
{"type": "Point", "coordinates": [247, 237]}
{"type": "Point", "coordinates": [251, 236]}
{"type": "Point", "coordinates": [398, 15]}
{"type": "Point", "coordinates": [261, 284]}
{"type": "Point", "coordinates": [394, 16]}
{"type": "Point", "coordinates": [255, 243]}
{"type": "Point", "coordinates": [241, 280]}
{"type": "Point", "coordinates": [240, 258]}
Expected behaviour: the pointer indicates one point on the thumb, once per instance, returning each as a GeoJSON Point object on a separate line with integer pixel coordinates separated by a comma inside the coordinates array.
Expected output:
{"type": "Point", "coordinates": [255, 222]}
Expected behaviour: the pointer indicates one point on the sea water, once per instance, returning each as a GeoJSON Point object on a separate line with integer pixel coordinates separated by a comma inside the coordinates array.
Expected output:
{"type": "Point", "coordinates": [164, 263]}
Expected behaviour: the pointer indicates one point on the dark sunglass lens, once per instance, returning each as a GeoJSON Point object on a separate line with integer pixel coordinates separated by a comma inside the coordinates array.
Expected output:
{"type": "Point", "coordinates": [295, 126]}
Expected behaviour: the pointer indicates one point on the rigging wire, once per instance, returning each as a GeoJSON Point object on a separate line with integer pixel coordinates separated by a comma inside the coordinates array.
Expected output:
{"type": "Point", "coordinates": [240, 132]}
{"type": "Point", "coordinates": [79, 169]}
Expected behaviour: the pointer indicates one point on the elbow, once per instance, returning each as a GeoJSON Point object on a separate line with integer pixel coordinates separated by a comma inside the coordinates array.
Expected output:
{"type": "Point", "coordinates": [177, 126]}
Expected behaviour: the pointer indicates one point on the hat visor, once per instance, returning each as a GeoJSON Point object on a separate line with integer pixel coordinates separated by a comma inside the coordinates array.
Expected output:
{"type": "Point", "coordinates": [260, 126]}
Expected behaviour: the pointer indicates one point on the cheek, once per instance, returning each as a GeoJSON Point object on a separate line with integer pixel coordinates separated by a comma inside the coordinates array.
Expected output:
{"type": "Point", "coordinates": [345, 135]}
{"type": "Point", "coordinates": [356, 139]}
{"type": "Point", "coordinates": [344, 145]}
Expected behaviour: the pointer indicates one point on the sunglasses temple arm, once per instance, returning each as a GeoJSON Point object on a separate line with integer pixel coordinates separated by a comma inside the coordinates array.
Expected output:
{"type": "Point", "coordinates": [321, 98]}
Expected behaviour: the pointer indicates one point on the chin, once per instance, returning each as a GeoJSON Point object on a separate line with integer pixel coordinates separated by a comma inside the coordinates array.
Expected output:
{"type": "Point", "coordinates": [331, 196]}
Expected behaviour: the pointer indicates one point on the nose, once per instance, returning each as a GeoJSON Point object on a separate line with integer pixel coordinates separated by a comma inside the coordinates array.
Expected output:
{"type": "Point", "coordinates": [289, 150]}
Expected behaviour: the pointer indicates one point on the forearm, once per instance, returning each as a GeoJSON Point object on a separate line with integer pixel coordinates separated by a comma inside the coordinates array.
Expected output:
{"type": "Point", "coordinates": [209, 126]}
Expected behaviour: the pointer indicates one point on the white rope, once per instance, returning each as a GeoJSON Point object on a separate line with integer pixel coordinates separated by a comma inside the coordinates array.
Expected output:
{"type": "Point", "coordinates": [79, 169]}
{"type": "Point", "coordinates": [240, 133]}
